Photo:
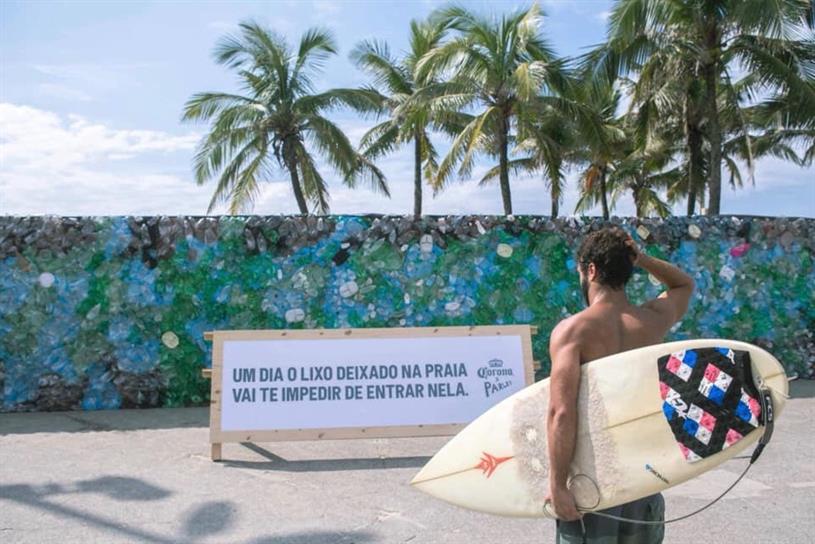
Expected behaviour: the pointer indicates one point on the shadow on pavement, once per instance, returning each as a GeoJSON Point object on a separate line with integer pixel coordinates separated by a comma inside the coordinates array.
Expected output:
{"type": "Point", "coordinates": [115, 487]}
{"type": "Point", "coordinates": [208, 519]}
{"type": "Point", "coordinates": [203, 521]}
{"type": "Point", "coordinates": [275, 462]}
{"type": "Point", "coordinates": [122, 488]}
{"type": "Point", "coordinates": [103, 420]}
{"type": "Point", "coordinates": [802, 389]}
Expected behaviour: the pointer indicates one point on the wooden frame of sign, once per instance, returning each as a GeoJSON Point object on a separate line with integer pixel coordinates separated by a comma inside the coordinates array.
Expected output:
{"type": "Point", "coordinates": [218, 437]}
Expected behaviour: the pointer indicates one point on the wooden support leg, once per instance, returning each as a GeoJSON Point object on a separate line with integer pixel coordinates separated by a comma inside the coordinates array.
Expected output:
{"type": "Point", "coordinates": [215, 452]}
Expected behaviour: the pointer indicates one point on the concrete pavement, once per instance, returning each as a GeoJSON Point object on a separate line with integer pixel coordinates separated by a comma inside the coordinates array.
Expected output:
{"type": "Point", "coordinates": [145, 476]}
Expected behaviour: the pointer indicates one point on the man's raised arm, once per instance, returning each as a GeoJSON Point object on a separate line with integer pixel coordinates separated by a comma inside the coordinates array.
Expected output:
{"type": "Point", "coordinates": [672, 304]}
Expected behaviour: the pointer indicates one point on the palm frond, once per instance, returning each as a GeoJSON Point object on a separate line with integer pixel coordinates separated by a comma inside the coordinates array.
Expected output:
{"type": "Point", "coordinates": [380, 140]}
{"type": "Point", "coordinates": [524, 165]}
{"type": "Point", "coordinates": [331, 141]}
{"type": "Point", "coordinates": [246, 184]}
{"type": "Point", "coordinates": [316, 46]}
{"type": "Point", "coordinates": [364, 100]}
{"type": "Point", "coordinates": [231, 173]}
{"type": "Point", "coordinates": [475, 139]}
{"type": "Point", "coordinates": [203, 106]}
{"type": "Point", "coordinates": [374, 57]}
{"type": "Point", "coordinates": [314, 186]}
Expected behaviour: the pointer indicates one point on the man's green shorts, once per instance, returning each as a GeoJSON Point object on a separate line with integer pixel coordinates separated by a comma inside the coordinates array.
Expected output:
{"type": "Point", "coordinates": [600, 530]}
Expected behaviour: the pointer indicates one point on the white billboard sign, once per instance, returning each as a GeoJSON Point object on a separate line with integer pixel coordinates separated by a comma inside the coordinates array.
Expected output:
{"type": "Point", "coordinates": [272, 385]}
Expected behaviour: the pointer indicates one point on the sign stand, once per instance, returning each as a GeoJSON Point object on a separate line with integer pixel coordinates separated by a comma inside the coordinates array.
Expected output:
{"type": "Point", "coordinates": [269, 340]}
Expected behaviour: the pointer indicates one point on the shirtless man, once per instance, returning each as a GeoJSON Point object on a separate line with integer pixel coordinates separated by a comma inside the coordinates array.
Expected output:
{"type": "Point", "coordinates": [609, 325]}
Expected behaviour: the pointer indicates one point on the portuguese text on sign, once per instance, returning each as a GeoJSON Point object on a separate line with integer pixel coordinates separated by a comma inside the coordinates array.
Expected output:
{"type": "Point", "coordinates": [366, 382]}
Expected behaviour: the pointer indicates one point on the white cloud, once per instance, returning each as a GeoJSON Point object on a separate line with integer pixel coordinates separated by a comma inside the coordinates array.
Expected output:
{"type": "Point", "coordinates": [276, 23]}
{"type": "Point", "coordinates": [64, 92]}
{"type": "Point", "coordinates": [326, 7]}
{"type": "Point", "coordinates": [95, 192]}
{"type": "Point", "coordinates": [67, 165]}
{"type": "Point", "coordinates": [86, 81]}
{"type": "Point", "coordinates": [770, 173]}
{"type": "Point", "coordinates": [461, 197]}
{"type": "Point", "coordinates": [94, 78]}
{"type": "Point", "coordinates": [39, 140]}
{"type": "Point", "coordinates": [560, 6]}
{"type": "Point", "coordinates": [356, 128]}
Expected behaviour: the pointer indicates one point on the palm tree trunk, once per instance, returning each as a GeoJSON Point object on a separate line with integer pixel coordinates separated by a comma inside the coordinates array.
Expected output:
{"type": "Point", "coordinates": [555, 204]}
{"type": "Point", "coordinates": [695, 160]}
{"type": "Point", "coordinates": [503, 137]}
{"type": "Point", "coordinates": [711, 76]}
{"type": "Point", "coordinates": [417, 175]}
{"type": "Point", "coordinates": [603, 197]}
{"type": "Point", "coordinates": [693, 144]}
{"type": "Point", "coordinates": [636, 189]}
{"type": "Point", "coordinates": [295, 185]}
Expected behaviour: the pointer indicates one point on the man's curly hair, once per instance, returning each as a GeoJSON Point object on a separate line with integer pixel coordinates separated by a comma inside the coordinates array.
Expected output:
{"type": "Point", "coordinates": [612, 258]}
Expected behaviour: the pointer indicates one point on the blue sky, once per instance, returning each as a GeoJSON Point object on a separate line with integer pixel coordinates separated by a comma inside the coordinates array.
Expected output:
{"type": "Point", "coordinates": [91, 95]}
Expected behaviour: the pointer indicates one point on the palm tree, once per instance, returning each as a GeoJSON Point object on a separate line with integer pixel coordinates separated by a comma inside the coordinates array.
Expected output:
{"type": "Point", "coordinates": [645, 171]}
{"type": "Point", "coordinates": [638, 151]}
{"type": "Point", "coordinates": [500, 69]}
{"type": "Point", "coordinates": [597, 150]}
{"type": "Point", "coordinates": [779, 126]}
{"type": "Point", "coordinates": [576, 128]}
{"type": "Point", "coordinates": [787, 119]}
{"type": "Point", "coordinates": [545, 138]}
{"type": "Point", "coordinates": [280, 117]}
{"type": "Point", "coordinates": [667, 85]}
{"type": "Point", "coordinates": [712, 38]}
{"type": "Point", "coordinates": [410, 119]}
{"type": "Point", "coordinates": [635, 158]}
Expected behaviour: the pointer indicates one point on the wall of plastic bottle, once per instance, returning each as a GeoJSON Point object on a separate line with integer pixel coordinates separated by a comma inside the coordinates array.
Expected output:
{"type": "Point", "coordinates": [109, 312]}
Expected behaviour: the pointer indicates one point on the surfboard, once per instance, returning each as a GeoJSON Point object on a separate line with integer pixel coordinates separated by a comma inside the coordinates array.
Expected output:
{"type": "Point", "coordinates": [650, 418]}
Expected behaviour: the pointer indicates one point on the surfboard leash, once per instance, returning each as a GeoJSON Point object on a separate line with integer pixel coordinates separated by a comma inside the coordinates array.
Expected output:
{"type": "Point", "coordinates": [680, 518]}
{"type": "Point", "coordinates": [767, 409]}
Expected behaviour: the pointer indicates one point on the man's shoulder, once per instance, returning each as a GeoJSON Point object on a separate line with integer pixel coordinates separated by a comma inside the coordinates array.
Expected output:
{"type": "Point", "coordinates": [572, 327]}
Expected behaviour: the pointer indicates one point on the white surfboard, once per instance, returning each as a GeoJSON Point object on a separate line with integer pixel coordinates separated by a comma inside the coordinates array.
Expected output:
{"type": "Point", "coordinates": [626, 448]}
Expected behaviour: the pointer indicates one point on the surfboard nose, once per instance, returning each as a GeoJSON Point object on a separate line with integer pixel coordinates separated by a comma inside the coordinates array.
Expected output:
{"type": "Point", "coordinates": [477, 469]}
{"type": "Point", "coordinates": [448, 461]}
{"type": "Point", "coordinates": [436, 468]}
{"type": "Point", "coordinates": [420, 476]}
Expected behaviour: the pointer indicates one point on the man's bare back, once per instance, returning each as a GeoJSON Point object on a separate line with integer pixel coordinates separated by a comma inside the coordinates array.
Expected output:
{"type": "Point", "coordinates": [605, 329]}
{"type": "Point", "coordinates": [610, 324]}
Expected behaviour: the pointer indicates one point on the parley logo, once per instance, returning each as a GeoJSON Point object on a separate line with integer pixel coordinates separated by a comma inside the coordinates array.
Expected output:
{"type": "Point", "coordinates": [496, 377]}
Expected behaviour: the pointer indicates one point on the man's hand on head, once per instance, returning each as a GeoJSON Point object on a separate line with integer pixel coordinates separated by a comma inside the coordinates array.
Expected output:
{"type": "Point", "coordinates": [635, 249]}
{"type": "Point", "coordinates": [670, 305]}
